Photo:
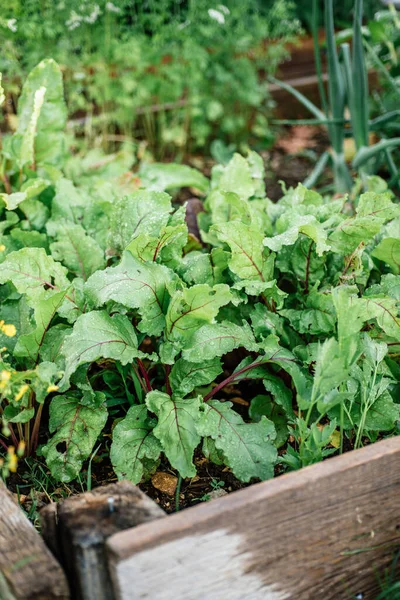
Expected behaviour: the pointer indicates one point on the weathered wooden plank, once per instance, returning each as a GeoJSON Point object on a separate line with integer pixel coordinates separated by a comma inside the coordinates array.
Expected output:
{"type": "Point", "coordinates": [79, 526]}
{"type": "Point", "coordinates": [28, 570]}
{"type": "Point", "coordinates": [320, 533]}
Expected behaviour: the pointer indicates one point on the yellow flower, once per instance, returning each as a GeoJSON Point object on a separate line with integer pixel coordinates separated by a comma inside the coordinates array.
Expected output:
{"type": "Point", "coordinates": [4, 379]}
{"type": "Point", "coordinates": [24, 388]}
{"type": "Point", "coordinates": [12, 459]}
{"type": "Point", "coordinates": [2, 247]}
{"type": "Point", "coordinates": [52, 388]}
{"type": "Point", "coordinates": [21, 449]}
{"type": "Point", "coordinates": [9, 330]}
{"type": "Point", "coordinates": [5, 376]}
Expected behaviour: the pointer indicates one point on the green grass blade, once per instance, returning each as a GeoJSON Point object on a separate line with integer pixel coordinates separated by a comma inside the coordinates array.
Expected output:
{"type": "Point", "coordinates": [378, 122]}
{"type": "Point", "coordinates": [316, 173]}
{"type": "Point", "coordinates": [359, 103]}
{"type": "Point", "coordinates": [381, 68]}
{"type": "Point", "coordinates": [301, 98]}
{"type": "Point", "coordinates": [335, 80]}
{"type": "Point", "coordinates": [309, 121]}
{"type": "Point", "coordinates": [317, 55]}
{"type": "Point", "coordinates": [367, 152]}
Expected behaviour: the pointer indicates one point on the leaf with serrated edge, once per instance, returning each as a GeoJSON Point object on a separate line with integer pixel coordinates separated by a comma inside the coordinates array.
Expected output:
{"type": "Point", "coordinates": [191, 307]}
{"type": "Point", "coordinates": [217, 339]}
{"type": "Point", "coordinates": [247, 447]}
{"type": "Point", "coordinates": [176, 429]}
{"type": "Point", "coordinates": [75, 427]}
{"type": "Point", "coordinates": [134, 441]}
{"type": "Point", "coordinates": [135, 285]}
{"type": "Point", "coordinates": [186, 376]}
{"type": "Point", "coordinates": [97, 335]}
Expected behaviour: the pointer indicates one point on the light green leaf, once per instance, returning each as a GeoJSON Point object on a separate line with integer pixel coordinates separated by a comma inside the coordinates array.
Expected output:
{"type": "Point", "coordinates": [32, 188]}
{"type": "Point", "coordinates": [141, 212]}
{"type": "Point", "coordinates": [197, 267]}
{"type": "Point", "coordinates": [388, 250]}
{"type": "Point", "coordinates": [30, 344]}
{"type": "Point", "coordinates": [69, 202]}
{"type": "Point", "coordinates": [378, 206]}
{"type": "Point", "coordinates": [35, 212]}
{"type": "Point", "coordinates": [307, 225]}
{"type": "Point", "coordinates": [176, 429]}
{"type": "Point", "coordinates": [262, 405]}
{"type": "Point", "coordinates": [317, 317]}
{"type": "Point", "coordinates": [186, 376]}
{"type": "Point", "coordinates": [135, 285]}
{"type": "Point", "coordinates": [97, 335]}
{"type": "Point", "coordinates": [34, 273]}
{"type": "Point", "coordinates": [216, 339]}
{"type": "Point", "coordinates": [169, 176]}
{"type": "Point", "coordinates": [41, 118]}
{"type": "Point", "coordinates": [191, 307]}
{"type": "Point", "coordinates": [247, 447]}
{"type": "Point", "coordinates": [166, 247]}
{"type": "Point", "coordinates": [249, 258]}
{"type": "Point", "coordinates": [77, 250]}
{"type": "Point", "coordinates": [76, 429]}
{"type": "Point", "coordinates": [133, 443]}
{"type": "Point", "coordinates": [243, 177]}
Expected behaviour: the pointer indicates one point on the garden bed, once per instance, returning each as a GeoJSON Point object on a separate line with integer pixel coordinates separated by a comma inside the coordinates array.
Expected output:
{"type": "Point", "coordinates": [329, 531]}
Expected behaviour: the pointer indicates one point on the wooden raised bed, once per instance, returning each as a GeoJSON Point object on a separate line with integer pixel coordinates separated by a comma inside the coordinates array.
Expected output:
{"type": "Point", "coordinates": [326, 532]}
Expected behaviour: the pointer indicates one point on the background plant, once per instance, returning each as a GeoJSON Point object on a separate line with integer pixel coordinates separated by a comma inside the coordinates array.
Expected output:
{"type": "Point", "coordinates": [347, 91]}
{"type": "Point", "coordinates": [176, 74]}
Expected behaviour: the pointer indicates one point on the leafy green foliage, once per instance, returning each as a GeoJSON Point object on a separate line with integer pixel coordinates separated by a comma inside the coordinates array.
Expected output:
{"type": "Point", "coordinates": [279, 328]}
{"type": "Point", "coordinates": [176, 73]}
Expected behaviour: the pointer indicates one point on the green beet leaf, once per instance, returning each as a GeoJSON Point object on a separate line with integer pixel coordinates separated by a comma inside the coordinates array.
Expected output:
{"type": "Point", "coordinates": [169, 176]}
{"type": "Point", "coordinates": [42, 116]}
{"type": "Point", "coordinates": [141, 212]}
{"type": "Point", "coordinates": [191, 307]}
{"type": "Point", "coordinates": [217, 339]}
{"type": "Point", "coordinates": [185, 376]}
{"type": "Point", "coordinates": [247, 447]}
{"type": "Point", "coordinates": [34, 273]}
{"type": "Point", "coordinates": [30, 344]}
{"type": "Point", "coordinates": [176, 428]}
{"type": "Point", "coordinates": [388, 250]}
{"type": "Point", "coordinates": [135, 285]}
{"type": "Point", "coordinates": [76, 429]}
{"type": "Point", "coordinates": [79, 252]}
{"type": "Point", "coordinates": [97, 335]}
{"type": "Point", "coordinates": [134, 444]}
{"type": "Point", "coordinates": [249, 260]}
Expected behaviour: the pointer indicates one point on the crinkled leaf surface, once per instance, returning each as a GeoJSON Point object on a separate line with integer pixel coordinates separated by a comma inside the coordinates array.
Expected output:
{"type": "Point", "coordinates": [247, 447]}
{"type": "Point", "coordinates": [136, 285]}
{"type": "Point", "coordinates": [134, 441]}
{"type": "Point", "coordinates": [76, 250]}
{"type": "Point", "coordinates": [76, 429]}
{"type": "Point", "coordinates": [217, 339]}
{"type": "Point", "coordinates": [141, 212]}
{"type": "Point", "coordinates": [176, 428]}
{"type": "Point", "coordinates": [97, 335]}
{"type": "Point", "coordinates": [388, 250]}
{"type": "Point", "coordinates": [186, 376]}
{"type": "Point", "coordinates": [191, 307]}
{"type": "Point", "coordinates": [34, 273]}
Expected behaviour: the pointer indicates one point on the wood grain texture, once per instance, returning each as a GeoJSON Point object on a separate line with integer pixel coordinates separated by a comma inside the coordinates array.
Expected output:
{"type": "Point", "coordinates": [79, 527]}
{"type": "Point", "coordinates": [28, 570]}
{"type": "Point", "coordinates": [320, 533]}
